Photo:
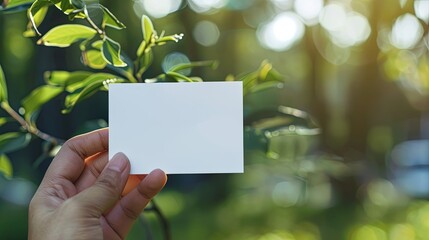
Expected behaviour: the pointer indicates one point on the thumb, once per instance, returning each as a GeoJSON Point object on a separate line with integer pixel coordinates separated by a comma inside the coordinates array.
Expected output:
{"type": "Point", "coordinates": [106, 191]}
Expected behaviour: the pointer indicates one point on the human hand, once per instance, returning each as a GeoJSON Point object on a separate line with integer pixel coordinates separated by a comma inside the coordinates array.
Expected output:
{"type": "Point", "coordinates": [80, 195]}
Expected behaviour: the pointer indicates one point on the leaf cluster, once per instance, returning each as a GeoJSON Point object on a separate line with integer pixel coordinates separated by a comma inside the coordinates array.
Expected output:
{"type": "Point", "coordinates": [100, 53]}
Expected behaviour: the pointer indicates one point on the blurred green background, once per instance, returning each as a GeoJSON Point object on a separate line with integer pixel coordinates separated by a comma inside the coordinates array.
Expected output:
{"type": "Point", "coordinates": [338, 150]}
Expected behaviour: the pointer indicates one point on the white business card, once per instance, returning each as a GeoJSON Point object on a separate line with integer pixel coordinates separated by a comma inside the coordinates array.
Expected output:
{"type": "Point", "coordinates": [178, 127]}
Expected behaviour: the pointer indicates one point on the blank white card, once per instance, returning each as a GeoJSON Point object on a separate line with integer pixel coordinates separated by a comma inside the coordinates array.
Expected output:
{"type": "Point", "coordinates": [178, 127]}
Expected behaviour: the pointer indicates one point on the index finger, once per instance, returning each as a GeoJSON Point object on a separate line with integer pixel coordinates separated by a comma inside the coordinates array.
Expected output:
{"type": "Point", "coordinates": [69, 162]}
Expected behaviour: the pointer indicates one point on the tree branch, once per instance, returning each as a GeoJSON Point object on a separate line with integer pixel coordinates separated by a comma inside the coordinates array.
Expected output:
{"type": "Point", "coordinates": [31, 129]}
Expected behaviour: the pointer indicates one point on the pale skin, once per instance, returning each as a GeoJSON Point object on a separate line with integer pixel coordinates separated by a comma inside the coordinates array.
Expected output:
{"type": "Point", "coordinates": [80, 194]}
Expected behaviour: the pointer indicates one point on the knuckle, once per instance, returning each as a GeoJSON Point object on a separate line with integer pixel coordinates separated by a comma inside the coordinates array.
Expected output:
{"type": "Point", "coordinates": [147, 192]}
{"type": "Point", "coordinates": [129, 212]}
{"type": "Point", "coordinates": [109, 182]}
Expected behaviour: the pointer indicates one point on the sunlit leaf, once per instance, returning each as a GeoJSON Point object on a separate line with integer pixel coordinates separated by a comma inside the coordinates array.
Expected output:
{"type": "Point", "coordinates": [4, 120]}
{"type": "Point", "coordinates": [196, 79]}
{"type": "Point", "coordinates": [5, 166]}
{"type": "Point", "coordinates": [184, 66]}
{"type": "Point", "coordinates": [264, 86]}
{"type": "Point", "coordinates": [38, 97]}
{"type": "Point", "coordinates": [72, 87]}
{"type": "Point", "coordinates": [144, 62]}
{"type": "Point", "coordinates": [141, 49]}
{"type": "Point", "coordinates": [3, 86]}
{"type": "Point", "coordinates": [111, 20]}
{"type": "Point", "coordinates": [16, 3]}
{"type": "Point", "coordinates": [65, 35]}
{"type": "Point", "coordinates": [111, 51]}
{"type": "Point", "coordinates": [179, 77]}
{"type": "Point", "coordinates": [67, 7]}
{"type": "Point", "coordinates": [267, 73]}
{"type": "Point", "coordinates": [64, 78]}
{"type": "Point", "coordinates": [94, 59]}
{"type": "Point", "coordinates": [89, 90]}
{"type": "Point", "coordinates": [13, 141]}
{"type": "Point", "coordinates": [147, 28]}
{"type": "Point", "coordinates": [36, 13]}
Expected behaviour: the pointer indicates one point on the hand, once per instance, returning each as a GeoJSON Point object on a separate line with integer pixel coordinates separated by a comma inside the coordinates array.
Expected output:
{"type": "Point", "coordinates": [80, 195]}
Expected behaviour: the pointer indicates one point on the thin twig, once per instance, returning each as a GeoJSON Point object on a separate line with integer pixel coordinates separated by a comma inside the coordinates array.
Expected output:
{"type": "Point", "coordinates": [163, 219]}
{"type": "Point", "coordinates": [33, 130]}
{"type": "Point", "coordinates": [145, 224]}
{"type": "Point", "coordinates": [89, 20]}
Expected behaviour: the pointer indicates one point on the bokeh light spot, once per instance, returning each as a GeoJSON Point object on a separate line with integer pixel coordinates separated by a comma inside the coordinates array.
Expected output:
{"type": "Point", "coordinates": [202, 6]}
{"type": "Point", "coordinates": [159, 8]}
{"type": "Point", "coordinates": [354, 31]}
{"type": "Point", "coordinates": [382, 192]}
{"type": "Point", "coordinates": [17, 191]}
{"type": "Point", "coordinates": [286, 193]}
{"type": "Point", "coordinates": [309, 10]}
{"type": "Point", "coordinates": [402, 232]}
{"type": "Point", "coordinates": [283, 4]}
{"type": "Point", "coordinates": [206, 33]}
{"type": "Point", "coordinates": [368, 232]}
{"type": "Point", "coordinates": [282, 32]}
{"type": "Point", "coordinates": [421, 8]}
{"type": "Point", "coordinates": [333, 17]}
{"type": "Point", "coordinates": [406, 32]}
{"type": "Point", "coordinates": [174, 59]}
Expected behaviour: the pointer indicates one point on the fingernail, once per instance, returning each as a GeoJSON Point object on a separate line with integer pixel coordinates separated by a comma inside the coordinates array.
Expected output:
{"type": "Point", "coordinates": [118, 162]}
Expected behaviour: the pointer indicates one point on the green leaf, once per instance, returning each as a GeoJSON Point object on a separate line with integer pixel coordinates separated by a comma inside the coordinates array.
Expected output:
{"type": "Point", "coordinates": [111, 51]}
{"type": "Point", "coordinates": [68, 8]}
{"type": "Point", "coordinates": [184, 66]}
{"type": "Point", "coordinates": [73, 87]}
{"type": "Point", "coordinates": [147, 28]}
{"type": "Point", "coordinates": [111, 20]}
{"type": "Point", "coordinates": [3, 86]}
{"type": "Point", "coordinates": [36, 13]}
{"type": "Point", "coordinates": [89, 90]}
{"type": "Point", "coordinates": [94, 59]}
{"type": "Point", "coordinates": [4, 120]}
{"type": "Point", "coordinates": [142, 48]}
{"type": "Point", "coordinates": [64, 78]}
{"type": "Point", "coordinates": [264, 86]}
{"type": "Point", "coordinates": [5, 166]}
{"type": "Point", "coordinates": [179, 77]}
{"type": "Point", "coordinates": [144, 62]}
{"type": "Point", "coordinates": [65, 35]}
{"type": "Point", "coordinates": [15, 3]}
{"type": "Point", "coordinates": [13, 141]}
{"type": "Point", "coordinates": [38, 97]}
{"type": "Point", "coordinates": [266, 72]}
{"type": "Point", "coordinates": [79, 4]}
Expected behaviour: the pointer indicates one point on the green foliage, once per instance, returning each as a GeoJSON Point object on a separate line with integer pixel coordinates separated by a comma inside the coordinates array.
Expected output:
{"type": "Point", "coordinates": [65, 35]}
{"type": "Point", "coordinates": [111, 52]}
{"type": "Point", "coordinates": [37, 98]}
{"type": "Point", "coordinates": [263, 78]}
{"type": "Point", "coordinates": [110, 20]}
{"type": "Point", "coordinates": [15, 5]}
{"type": "Point", "coordinates": [36, 14]}
{"type": "Point", "coordinates": [90, 88]}
{"type": "Point", "coordinates": [5, 166]}
{"type": "Point", "coordinates": [3, 87]}
{"type": "Point", "coordinates": [13, 141]}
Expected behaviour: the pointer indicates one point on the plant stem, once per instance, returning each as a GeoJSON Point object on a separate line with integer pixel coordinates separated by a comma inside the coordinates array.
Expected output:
{"type": "Point", "coordinates": [28, 127]}
{"type": "Point", "coordinates": [163, 219]}
{"type": "Point", "coordinates": [89, 20]}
